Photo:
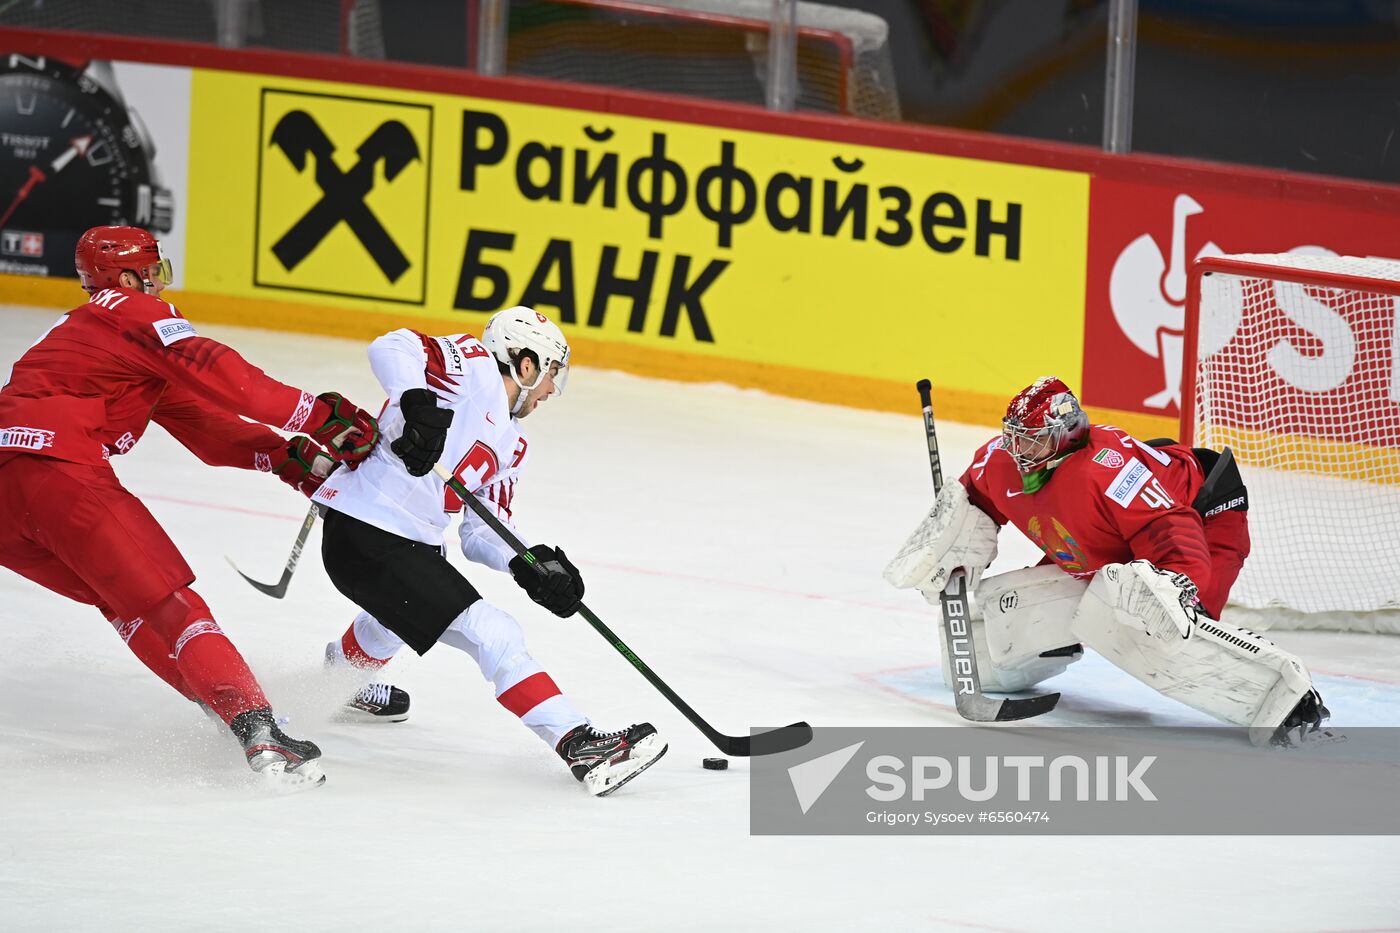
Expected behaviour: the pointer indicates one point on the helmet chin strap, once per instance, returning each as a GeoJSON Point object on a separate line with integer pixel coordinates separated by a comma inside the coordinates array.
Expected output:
{"type": "Point", "coordinates": [524, 390]}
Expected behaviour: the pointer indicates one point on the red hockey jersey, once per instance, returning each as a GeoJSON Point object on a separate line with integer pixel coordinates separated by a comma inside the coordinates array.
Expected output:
{"type": "Point", "coordinates": [1113, 501]}
{"type": "Point", "coordinates": [91, 385]}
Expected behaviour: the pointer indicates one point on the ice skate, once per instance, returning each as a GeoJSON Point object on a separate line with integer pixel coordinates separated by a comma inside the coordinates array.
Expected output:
{"type": "Point", "coordinates": [287, 763]}
{"type": "Point", "coordinates": [604, 761]}
{"type": "Point", "coordinates": [1304, 724]}
{"type": "Point", "coordinates": [375, 703]}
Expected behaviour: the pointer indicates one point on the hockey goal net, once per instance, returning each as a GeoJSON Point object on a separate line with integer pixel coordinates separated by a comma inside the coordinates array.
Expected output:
{"type": "Point", "coordinates": [1291, 361]}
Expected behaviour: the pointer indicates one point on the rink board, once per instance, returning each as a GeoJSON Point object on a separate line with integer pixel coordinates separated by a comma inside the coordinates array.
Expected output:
{"type": "Point", "coordinates": [810, 255]}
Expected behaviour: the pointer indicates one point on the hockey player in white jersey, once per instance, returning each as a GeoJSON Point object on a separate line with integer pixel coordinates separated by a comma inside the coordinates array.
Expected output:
{"type": "Point", "coordinates": [459, 400]}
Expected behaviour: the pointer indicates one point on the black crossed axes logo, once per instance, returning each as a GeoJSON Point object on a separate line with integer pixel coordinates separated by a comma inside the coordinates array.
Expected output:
{"type": "Point", "coordinates": [343, 194]}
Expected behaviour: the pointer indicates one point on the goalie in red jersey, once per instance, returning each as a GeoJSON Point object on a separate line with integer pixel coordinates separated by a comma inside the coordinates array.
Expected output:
{"type": "Point", "coordinates": [1142, 543]}
{"type": "Point", "coordinates": [85, 392]}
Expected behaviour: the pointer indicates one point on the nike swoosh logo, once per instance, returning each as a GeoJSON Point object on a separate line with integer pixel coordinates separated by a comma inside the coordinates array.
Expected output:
{"type": "Point", "coordinates": [488, 417]}
{"type": "Point", "coordinates": [1012, 495]}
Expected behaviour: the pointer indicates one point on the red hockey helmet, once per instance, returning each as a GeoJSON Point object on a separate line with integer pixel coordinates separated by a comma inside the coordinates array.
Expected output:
{"type": "Point", "coordinates": [1043, 423]}
{"type": "Point", "coordinates": [104, 253]}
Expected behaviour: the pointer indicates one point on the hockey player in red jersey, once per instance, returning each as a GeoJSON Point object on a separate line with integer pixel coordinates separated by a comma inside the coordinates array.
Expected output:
{"type": "Point", "coordinates": [459, 401]}
{"type": "Point", "coordinates": [85, 392]}
{"type": "Point", "coordinates": [1142, 543]}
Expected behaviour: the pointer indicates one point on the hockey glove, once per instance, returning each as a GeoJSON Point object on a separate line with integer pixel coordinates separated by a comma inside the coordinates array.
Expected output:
{"type": "Point", "coordinates": [549, 578]}
{"type": "Point", "coordinates": [348, 433]}
{"type": "Point", "coordinates": [303, 465]}
{"type": "Point", "coordinates": [424, 431]}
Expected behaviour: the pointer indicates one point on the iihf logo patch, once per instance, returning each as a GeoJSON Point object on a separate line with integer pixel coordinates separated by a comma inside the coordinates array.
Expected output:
{"type": "Point", "coordinates": [1109, 458]}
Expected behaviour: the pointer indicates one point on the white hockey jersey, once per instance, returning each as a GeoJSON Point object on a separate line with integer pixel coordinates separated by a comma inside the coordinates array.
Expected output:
{"type": "Point", "coordinates": [484, 447]}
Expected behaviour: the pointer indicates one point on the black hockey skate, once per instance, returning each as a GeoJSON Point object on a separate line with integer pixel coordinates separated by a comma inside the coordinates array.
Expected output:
{"type": "Point", "coordinates": [604, 761]}
{"type": "Point", "coordinates": [376, 703]}
{"type": "Point", "coordinates": [289, 763]}
{"type": "Point", "coordinates": [1305, 719]}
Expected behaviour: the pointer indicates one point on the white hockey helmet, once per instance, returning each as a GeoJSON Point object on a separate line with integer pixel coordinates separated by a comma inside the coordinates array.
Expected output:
{"type": "Point", "coordinates": [514, 330]}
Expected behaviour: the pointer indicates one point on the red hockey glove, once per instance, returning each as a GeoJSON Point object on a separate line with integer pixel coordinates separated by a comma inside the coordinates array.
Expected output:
{"type": "Point", "coordinates": [349, 433]}
{"type": "Point", "coordinates": [303, 465]}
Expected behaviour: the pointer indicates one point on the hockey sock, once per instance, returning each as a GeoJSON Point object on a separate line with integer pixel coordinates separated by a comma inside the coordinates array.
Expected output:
{"type": "Point", "coordinates": [153, 651]}
{"type": "Point", "coordinates": [494, 640]}
{"type": "Point", "coordinates": [204, 657]}
{"type": "Point", "coordinates": [366, 644]}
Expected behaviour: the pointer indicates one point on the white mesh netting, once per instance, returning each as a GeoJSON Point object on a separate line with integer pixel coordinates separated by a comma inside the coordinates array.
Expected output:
{"type": "Point", "coordinates": [1297, 372]}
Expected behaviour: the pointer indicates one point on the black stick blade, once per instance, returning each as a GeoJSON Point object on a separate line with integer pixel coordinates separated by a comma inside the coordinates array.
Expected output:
{"type": "Point", "coordinates": [1025, 709]}
{"type": "Point", "coordinates": [275, 591]}
{"type": "Point", "coordinates": [770, 743]}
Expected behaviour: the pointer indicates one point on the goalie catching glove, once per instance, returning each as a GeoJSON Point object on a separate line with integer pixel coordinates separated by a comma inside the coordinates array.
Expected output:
{"type": "Point", "coordinates": [424, 431]}
{"type": "Point", "coordinates": [954, 534]}
{"type": "Point", "coordinates": [348, 433]}
{"type": "Point", "coordinates": [302, 465]}
{"type": "Point", "coordinates": [549, 578]}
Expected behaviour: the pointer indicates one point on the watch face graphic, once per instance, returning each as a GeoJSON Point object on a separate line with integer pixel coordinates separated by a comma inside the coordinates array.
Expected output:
{"type": "Point", "coordinates": [72, 156]}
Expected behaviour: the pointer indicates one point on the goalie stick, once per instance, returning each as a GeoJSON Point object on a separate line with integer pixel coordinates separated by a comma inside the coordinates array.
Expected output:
{"type": "Point", "coordinates": [961, 657]}
{"type": "Point", "coordinates": [739, 746]}
{"type": "Point", "coordinates": [279, 589]}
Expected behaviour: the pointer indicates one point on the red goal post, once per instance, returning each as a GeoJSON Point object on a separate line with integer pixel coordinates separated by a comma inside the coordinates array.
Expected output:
{"type": "Point", "coordinates": [1291, 361]}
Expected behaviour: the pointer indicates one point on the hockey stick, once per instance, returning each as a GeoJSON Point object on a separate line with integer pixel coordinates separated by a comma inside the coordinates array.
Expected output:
{"type": "Point", "coordinates": [280, 589]}
{"type": "Point", "coordinates": [971, 702]}
{"type": "Point", "coordinates": [739, 746]}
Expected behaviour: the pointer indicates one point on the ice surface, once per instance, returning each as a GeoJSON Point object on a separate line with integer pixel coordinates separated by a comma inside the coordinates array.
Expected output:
{"type": "Point", "coordinates": [735, 541]}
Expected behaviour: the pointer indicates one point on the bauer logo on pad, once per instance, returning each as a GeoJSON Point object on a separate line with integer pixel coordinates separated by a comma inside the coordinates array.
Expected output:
{"type": "Point", "coordinates": [343, 188]}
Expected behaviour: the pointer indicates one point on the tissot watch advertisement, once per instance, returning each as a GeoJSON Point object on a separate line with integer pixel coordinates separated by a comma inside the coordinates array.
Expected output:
{"type": "Point", "coordinates": [84, 143]}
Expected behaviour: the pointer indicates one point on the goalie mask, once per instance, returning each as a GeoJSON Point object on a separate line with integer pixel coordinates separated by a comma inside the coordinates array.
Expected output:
{"type": "Point", "coordinates": [510, 333]}
{"type": "Point", "coordinates": [1043, 425]}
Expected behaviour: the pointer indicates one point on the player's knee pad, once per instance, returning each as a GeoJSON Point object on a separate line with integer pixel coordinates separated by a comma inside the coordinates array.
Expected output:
{"type": "Point", "coordinates": [1223, 671]}
{"type": "Point", "coordinates": [1021, 628]}
{"type": "Point", "coordinates": [491, 636]}
{"type": "Point", "coordinates": [954, 534]}
{"type": "Point", "coordinates": [180, 617]}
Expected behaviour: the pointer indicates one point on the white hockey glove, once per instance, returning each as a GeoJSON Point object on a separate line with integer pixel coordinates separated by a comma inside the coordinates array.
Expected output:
{"type": "Point", "coordinates": [1160, 602]}
{"type": "Point", "coordinates": [954, 534]}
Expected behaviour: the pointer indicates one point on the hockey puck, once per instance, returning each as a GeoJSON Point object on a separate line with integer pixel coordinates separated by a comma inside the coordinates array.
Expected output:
{"type": "Point", "coordinates": [715, 764]}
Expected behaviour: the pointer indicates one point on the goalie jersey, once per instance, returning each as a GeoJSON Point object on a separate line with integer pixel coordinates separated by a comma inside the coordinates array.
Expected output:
{"type": "Point", "coordinates": [484, 447]}
{"type": "Point", "coordinates": [1112, 501]}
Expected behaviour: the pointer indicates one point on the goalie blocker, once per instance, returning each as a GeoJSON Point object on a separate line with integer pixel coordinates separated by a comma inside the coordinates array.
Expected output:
{"type": "Point", "coordinates": [1028, 625]}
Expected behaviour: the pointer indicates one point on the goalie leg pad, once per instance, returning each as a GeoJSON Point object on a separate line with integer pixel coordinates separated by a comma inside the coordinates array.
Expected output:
{"type": "Point", "coordinates": [954, 534]}
{"type": "Point", "coordinates": [1028, 613]}
{"type": "Point", "coordinates": [1020, 627]}
{"type": "Point", "coordinates": [1147, 598]}
{"type": "Point", "coordinates": [1223, 671]}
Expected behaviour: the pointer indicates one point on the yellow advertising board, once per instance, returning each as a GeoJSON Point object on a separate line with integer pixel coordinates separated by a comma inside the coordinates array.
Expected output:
{"type": "Point", "coordinates": [819, 268]}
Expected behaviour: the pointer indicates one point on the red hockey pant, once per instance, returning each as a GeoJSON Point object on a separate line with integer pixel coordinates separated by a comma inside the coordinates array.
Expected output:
{"type": "Point", "coordinates": [76, 530]}
{"type": "Point", "coordinates": [1227, 535]}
